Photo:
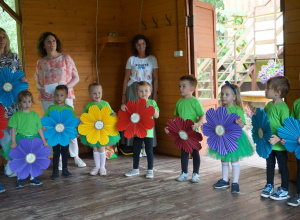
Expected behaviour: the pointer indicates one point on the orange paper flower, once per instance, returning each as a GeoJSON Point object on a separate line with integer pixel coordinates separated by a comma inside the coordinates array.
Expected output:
{"type": "Point", "coordinates": [137, 119]}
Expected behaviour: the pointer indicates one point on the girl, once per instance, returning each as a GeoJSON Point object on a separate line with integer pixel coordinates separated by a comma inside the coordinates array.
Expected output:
{"type": "Point", "coordinates": [231, 99]}
{"type": "Point", "coordinates": [143, 90]}
{"type": "Point", "coordinates": [95, 92]}
{"type": "Point", "coordinates": [25, 124]}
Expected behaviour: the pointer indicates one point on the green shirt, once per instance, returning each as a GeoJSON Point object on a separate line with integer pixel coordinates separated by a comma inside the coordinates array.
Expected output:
{"type": "Point", "coordinates": [59, 108]}
{"type": "Point", "coordinates": [277, 113]}
{"type": "Point", "coordinates": [237, 110]}
{"type": "Point", "coordinates": [189, 109]}
{"type": "Point", "coordinates": [100, 105]}
{"type": "Point", "coordinates": [296, 110]}
{"type": "Point", "coordinates": [154, 104]}
{"type": "Point", "coordinates": [25, 123]}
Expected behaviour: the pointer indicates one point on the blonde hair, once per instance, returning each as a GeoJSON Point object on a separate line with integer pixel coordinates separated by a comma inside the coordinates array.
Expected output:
{"type": "Point", "coordinates": [7, 49]}
{"type": "Point", "coordinates": [22, 95]}
{"type": "Point", "coordinates": [142, 83]}
{"type": "Point", "coordinates": [238, 101]}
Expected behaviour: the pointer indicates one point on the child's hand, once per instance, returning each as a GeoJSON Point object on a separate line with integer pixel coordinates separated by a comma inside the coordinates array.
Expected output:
{"type": "Point", "coordinates": [13, 145]}
{"type": "Point", "coordinates": [148, 105]}
{"type": "Point", "coordinates": [80, 123]}
{"type": "Point", "coordinates": [114, 114]}
{"type": "Point", "coordinates": [274, 139]}
{"type": "Point", "coordinates": [166, 130]}
{"type": "Point", "coordinates": [23, 79]}
{"type": "Point", "coordinates": [282, 141]}
{"type": "Point", "coordinates": [195, 126]}
{"type": "Point", "coordinates": [45, 143]}
{"type": "Point", "coordinates": [254, 110]}
{"type": "Point", "coordinates": [123, 107]}
{"type": "Point", "coordinates": [5, 115]}
{"type": "Point", "coordinates": [239, 121]}
{"type": "Point", "coordinates": [77, 135]}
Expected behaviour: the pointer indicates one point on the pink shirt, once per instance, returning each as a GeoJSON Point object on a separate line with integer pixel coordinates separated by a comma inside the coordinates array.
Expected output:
{"type": "Point", "coordinates": [58, 70]}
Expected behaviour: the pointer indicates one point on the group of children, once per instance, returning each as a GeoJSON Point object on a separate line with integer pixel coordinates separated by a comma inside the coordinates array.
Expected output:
{"type": "Point", "coordinates": [26, 123]}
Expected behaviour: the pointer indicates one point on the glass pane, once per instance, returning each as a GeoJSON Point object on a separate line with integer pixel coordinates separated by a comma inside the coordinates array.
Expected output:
{"type": "Point", "coordinates": [11, 4]}
{"type": "Point", "coordinates": [205, 71]}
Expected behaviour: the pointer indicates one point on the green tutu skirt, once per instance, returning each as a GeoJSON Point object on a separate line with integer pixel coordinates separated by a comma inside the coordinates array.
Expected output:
{"type": "Point", "coordinates": [245, 149]}
{"type": "Point", "coordinates": [5, 151]}
{"type": "Point", "coordinates": [112, 141]}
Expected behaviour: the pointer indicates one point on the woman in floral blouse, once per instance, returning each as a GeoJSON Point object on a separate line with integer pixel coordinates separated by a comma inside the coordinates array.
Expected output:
{"type": "Point", "coordinates": [56, 68]}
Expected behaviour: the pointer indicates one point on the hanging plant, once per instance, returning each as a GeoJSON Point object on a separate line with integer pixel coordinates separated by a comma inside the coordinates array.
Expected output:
{"type": "Point", "coordinates": [270, 70]}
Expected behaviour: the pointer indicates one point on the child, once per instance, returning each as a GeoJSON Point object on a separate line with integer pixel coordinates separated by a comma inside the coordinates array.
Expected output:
{"type": "Point", "coordinates": [277, 110]}
{"type": "Point", "coordinates": [143, 90]}
{"type": "Point", "coordinates": [231, 99]}
{"type": "Point", "coordinates": [295, 201]}
{"type": "Point", "coordinates": [60, 95]}
{"type": "Point", "coordinates": [191, 108]}
{"type": "Point", "coordinates": [25, 124]}
{"type": "Point", "coordinates": [95, 92]}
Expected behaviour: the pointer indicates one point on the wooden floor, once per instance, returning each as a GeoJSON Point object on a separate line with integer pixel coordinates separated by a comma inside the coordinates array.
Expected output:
{"type": "Point", "coordinates": [118, 197]}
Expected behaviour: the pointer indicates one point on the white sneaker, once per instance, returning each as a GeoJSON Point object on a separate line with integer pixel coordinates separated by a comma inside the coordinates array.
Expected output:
{"type": "Point", "coordinates": [143, 152]}
{"type": "Point", "coordinates": [79, 162]}
{"type": "Point", "coordinates": [59, 165]}
{"type": "Point", "coordinates": [149, 174]}
{"type": "Point", "coordinates": [195, 178]}
{"type": "Point", "coordinates": [133, 172]}
{"type": "Point", "coordinates": [8, 171]}
{"type": "Point", "coordinates": [94, 171]}
{"type": "Point", "coordinates": [103, 172]}
{"type": "Point", "coordinates": [141, 155]}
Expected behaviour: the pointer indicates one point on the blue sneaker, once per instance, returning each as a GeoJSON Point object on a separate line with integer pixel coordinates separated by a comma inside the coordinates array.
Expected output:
{"type": "Point", "coordinates": [268, 191]}
{"type": "Point", "coordinates": [235, 188]}
{"type": "Point", "coordinates": [19, 183]}
{"type": "Point", "coordinates": [281, 194]}
{"type": "Point", "coordinates": [35, 182]}
{"type": "Point", "coordinates": [182, 177]}
{"type": "Point", "coordinates": [1, 188]}
{"type": "Point", "coordinates": [295, 201]}
{"type": "Point", "coordinates": [221, 184]}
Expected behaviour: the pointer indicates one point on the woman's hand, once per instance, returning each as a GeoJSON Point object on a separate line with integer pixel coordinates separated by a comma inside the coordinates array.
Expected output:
{"type": "Point", "coordinates": [124, 99]}
{"type": "Point", "coordinates": [274, 139]}
{"type": "Point", "coordinates": [123, 107]}
{"type": "Point", "coordinates": [45, 94]}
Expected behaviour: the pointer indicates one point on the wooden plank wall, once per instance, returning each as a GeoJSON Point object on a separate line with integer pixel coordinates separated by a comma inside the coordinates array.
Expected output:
{"type": "Point", "coordinates": [163, 44]}
{"type": "Point", "coordinates": [292, 66]}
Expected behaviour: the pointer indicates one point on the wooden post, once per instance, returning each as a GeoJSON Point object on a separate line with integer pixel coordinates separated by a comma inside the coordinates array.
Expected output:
{"type": "Point", "coordinates": [235, 70]}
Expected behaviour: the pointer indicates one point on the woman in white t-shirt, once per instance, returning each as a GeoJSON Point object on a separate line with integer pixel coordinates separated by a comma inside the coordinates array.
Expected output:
{"type": "Point", "coordinates": [140, 67]}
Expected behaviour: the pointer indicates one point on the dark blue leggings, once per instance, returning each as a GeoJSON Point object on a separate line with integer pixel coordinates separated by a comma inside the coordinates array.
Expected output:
{"type": "Point", "coordinates": [137, 144]}
{"type": "Point", "coordinates": [185, 161]}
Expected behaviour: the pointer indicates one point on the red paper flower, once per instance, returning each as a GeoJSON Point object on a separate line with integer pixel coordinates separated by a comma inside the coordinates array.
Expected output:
{"type": "Point", "coordinates": [3, 121]}
{"type": "Point", "coordinates": [185, 137]}
{"type": "Point", "coordinates": [137, 119]}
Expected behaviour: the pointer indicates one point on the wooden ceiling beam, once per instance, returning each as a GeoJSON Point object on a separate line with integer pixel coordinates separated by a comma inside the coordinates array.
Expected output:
{"type": "Point", "coordinates": [11, 12]}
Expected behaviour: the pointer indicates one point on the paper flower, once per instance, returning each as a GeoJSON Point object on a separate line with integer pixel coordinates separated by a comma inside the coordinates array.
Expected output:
{"type": "Point", "coordinates": [221, 130]}
{"type": "Point", "coordinates": [185, 137]}
{"type": "Point", "coordinates": [98, 125]}
{"type": "Point", "coordinates": [137, 119]}
{"type": "Point", "coordinates": [61, 127]}
{"type": "Point", "coordinates": [290, 132]}
{"type": "Point", "coordinates": [10, 85]}
{"type": "Point", "coordinates": [29, 157]}
{"type": "Point", "coordinates": [261, 133]}
{"type": "Point", "coordinates": [3, 121]}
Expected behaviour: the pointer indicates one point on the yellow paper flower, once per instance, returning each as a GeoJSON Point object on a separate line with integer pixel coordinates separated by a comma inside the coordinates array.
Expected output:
{"type": "Point", "coordinates": [98, 125]}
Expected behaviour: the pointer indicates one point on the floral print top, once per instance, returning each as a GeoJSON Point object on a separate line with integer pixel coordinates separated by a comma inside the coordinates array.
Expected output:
{"type": "Point", "coordinates": [59, 70]}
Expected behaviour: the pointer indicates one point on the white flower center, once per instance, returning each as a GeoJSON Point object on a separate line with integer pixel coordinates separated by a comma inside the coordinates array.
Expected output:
{"type": "Point", "coordinates": [220, 130]}
{"type": "Point", "coordinates": [30, 158]}
{"type": "Point", "coordinates": [135, 118]}
{"type": "Point", "coordinates": [183, 135]}
{"type": "Point", "coordinates": [260, 133]}
{"type": "Point", "coordinates": [7, 87]}
{"type": "Point", "coordinates": [99, 125]}
{"type": "Point", "coordinates": [59, 127]}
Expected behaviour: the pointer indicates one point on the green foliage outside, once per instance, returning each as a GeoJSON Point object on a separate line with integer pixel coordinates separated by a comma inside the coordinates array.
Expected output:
{"type": "Point", "coordinates": [9, 25]}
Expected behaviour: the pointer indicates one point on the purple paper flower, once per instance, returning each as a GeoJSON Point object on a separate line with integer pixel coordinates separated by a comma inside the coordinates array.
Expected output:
{"type": "Point", "coordinates": [221, 130]}
{"type": "Point", "coordinates": [29, 157]}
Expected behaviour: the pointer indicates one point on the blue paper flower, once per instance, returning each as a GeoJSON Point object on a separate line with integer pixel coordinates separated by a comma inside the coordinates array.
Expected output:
{"type": "Point", "coordinates": [221, 130]}
{"type": "Point", "coordinates": [29, 157]}
{"type": "Point", "coordinates": [10, 85]}
{"type": "Point", "coordinates": [261, 133]}
{"type": "Point", "coordinates": [61, 127]}
{"type": "Point", "coordinates": [290, 132]}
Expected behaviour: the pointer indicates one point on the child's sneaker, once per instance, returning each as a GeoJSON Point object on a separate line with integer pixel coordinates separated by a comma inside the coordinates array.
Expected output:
{"type": "Point", "coordinates": [1, 188]}
{"type": "Point", "coordinates": [55, 175]}
{"type": "Point", "coordinates": [79, 162]}
{"type": "Point", "coordinates": [133, 172]}
{"type": "Point", "coordinates": [295, 201]}
{"type": "Point", "coordinates": [182, 177]}
{"type": "Point", "coordinates": [59, 165]}
{"type": "Point", "coordinates": [149, 174]}
{"type": "Point", "coordinates": [235, 188]}
{"type": "Point", "coordinates": [19, 183]}
{"type": "Point", "coordinates": [65, 172]}
{"type": "Point", "coordinates": [102, 172]}
{"type": "Point", "coordinates": [35, 182]}
{"type": "Point", "coordinates": [94, 171]}
{"type": "Point", "coordinates": [195, 178]}
{"type": "Point", "coordinates": [268, 191]}
{"type": "Point", "coordinates": [281, 194]}
{"type": "Point", "coordinates": [221, 184]}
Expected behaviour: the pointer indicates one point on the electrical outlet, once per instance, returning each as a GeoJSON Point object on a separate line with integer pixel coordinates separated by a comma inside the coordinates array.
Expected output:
{"type": "Point", "coordinates": [178, 53]}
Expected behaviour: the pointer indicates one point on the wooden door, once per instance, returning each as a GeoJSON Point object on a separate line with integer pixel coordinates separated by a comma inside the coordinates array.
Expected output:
{"type": "Point", "coordinates": [203, 53]}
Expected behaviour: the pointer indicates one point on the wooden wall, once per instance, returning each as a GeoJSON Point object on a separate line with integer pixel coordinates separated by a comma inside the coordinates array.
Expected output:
{"type": "Point", "coordinates": [292, 65]}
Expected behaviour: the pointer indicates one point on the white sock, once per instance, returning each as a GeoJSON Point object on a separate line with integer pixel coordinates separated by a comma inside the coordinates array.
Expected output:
{"type": "Point", "coordinates": [235, 172]}
{"type": "Point", "coordinates": [97, 159]}
{"type": "Point", "coordinates": [225, 171]}
{"type": "Point", "coordinates": [31, 177]}
{"type": "Point", "coordinates": [102, 160]}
